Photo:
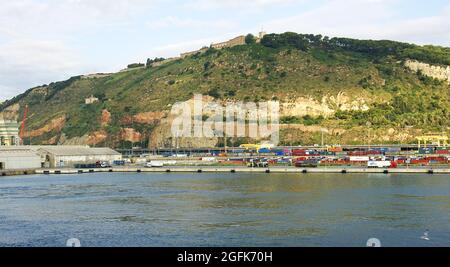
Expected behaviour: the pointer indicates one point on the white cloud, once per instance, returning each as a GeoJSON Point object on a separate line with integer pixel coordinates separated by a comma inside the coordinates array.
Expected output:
{"type": "Point", "coordinates": [36, 37]}
{"type": "Point", "coordinates": [27, 17]}
{"type": "Point", "coordinates": [237, 4]}
{"type": "Point", "coordinates": [7, 92]}
{"type": "Point", "coordinates": [47, 40]}
{"type": "Point", "coordinates": [425, 30]}
{"type": "Point", "coordinates": [188, 23]}
{"type": "Point", "coordinates": [29, 60]}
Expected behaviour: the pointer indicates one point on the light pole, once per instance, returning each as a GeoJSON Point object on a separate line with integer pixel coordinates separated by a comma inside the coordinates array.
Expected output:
{"type": "Point", "coordinates": [369, 124]}
{"type": "Point", "coordinates": [323, 131]}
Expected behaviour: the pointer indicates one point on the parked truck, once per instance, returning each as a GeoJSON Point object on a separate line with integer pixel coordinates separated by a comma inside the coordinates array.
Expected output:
{"type": "Point", "coordinates": [379, 164]}
{"type": "Point", "coordinates": [257, 164]}
{"type": "Point", "coordinates": [154, 164]}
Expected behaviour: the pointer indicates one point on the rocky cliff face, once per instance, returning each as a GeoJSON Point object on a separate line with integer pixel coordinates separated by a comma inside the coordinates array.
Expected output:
{"type": "Point", "coordinates": [298, 107]}
{"type": "Point", "coordinates": [54, 125]}
{"type": "Point", "coordinates": [437, 72]}
{"type": "Point", "coordinates": [328, 106]}
{"type": "Point", "coordinates": [11, 113]}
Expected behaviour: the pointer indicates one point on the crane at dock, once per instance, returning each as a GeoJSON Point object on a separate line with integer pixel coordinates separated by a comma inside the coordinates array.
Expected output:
{"type": "Point", "coordinates": [22, 127]}
{"type": "Point", "coordinates": [433, 138]}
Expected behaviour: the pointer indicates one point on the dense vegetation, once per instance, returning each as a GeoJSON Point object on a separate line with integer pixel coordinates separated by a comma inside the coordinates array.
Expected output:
{"type": "Point", "coordinates": [282, 67]}
{"type": "Point", "coordinates": [376, 49]}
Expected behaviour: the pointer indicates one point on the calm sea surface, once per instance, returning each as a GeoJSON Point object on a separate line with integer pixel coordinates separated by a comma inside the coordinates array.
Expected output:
{"type": "Point", "coordinates": [225, 210]}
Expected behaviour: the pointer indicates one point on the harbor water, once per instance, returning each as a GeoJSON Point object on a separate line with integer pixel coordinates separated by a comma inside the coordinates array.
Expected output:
{"type": "Point", "coordinates": [149, 209]}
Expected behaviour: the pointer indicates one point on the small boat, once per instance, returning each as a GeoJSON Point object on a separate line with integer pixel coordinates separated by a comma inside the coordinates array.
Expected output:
{"type": "Point", "coordinates": [426, 236]}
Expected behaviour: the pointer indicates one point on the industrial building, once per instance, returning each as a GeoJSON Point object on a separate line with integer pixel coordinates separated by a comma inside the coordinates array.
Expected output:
{"type": "Point", "coordinates": [68, 156]}
{"type": "Point", "coordinates": [9, 132]}
{"type": "Point", "coordinates": [35, 157]}
{"type": "Point", "coordinates": [12, 158]}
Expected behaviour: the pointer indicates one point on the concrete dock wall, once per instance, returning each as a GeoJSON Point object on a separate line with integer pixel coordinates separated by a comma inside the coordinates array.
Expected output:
{"type": "Point", "coordinates": [243, 170]}
{"type": "Point", "coordinates": [16, 172]}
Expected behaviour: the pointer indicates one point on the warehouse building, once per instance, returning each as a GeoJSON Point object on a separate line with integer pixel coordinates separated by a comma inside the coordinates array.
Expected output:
{"type": "Point", "coordinates": [19, 159]}
{"type": "Point", "coordinates": [68, 156]}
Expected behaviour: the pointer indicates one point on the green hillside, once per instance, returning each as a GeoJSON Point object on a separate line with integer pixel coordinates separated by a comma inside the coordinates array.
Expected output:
{"type": "Point", "coordinates": [282, 67]}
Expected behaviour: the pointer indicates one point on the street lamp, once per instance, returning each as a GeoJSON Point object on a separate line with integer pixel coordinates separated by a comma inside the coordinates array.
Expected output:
{"type": "Point", "coordinates": [369, 124]}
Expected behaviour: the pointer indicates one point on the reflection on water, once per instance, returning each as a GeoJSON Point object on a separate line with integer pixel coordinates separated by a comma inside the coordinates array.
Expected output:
{"type": "Point", "coordinates": [225, 209]}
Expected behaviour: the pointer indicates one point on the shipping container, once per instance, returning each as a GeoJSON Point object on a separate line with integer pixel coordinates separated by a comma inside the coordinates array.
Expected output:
{"type": "Point", "coordinates": [359, 159]}
{"type": "Point", "coordinates": [426, 151]}
{"type": "Point", "coordinates": [379, 164]}
{"type": "Point", "coordinates": [335, 149]}
{"type": "Point", "coordinates": [279, 152]}
{"type": "Point", "coordinates": [394, 149]}
{"type": "Point", "coordinates": [264, 151]}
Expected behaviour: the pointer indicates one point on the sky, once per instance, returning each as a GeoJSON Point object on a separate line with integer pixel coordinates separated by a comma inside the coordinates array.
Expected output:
{"type": "Point", "coordinates": [43, 41]}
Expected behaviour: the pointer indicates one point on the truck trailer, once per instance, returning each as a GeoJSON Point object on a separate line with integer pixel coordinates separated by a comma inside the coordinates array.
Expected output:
{"type": "Point", "coordinates": [379, 164]}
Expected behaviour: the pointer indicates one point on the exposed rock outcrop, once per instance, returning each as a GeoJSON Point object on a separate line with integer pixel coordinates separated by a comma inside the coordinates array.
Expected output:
{"type": "Point", "coordinates": [106, 118]}
{"type": "Point", "coordinates": [130, 134]}
{"type": "Point", "coordinates": [97, 137]}
{"type": "Point", "coordinates": [76, 141]}
{"type": "Point", "coordinates": [303, 106]}
{"type": "Point", "coordinates": [11, 113]}
{"type": "Point", "coordinates": [437, 72]}
{"type": "Point", "coordinates": [54, 125]}
{"type": "Point", "coordinates": [148, 117]}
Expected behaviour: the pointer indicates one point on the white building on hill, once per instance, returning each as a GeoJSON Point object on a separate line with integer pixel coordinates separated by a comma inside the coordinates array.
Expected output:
{"type": "Point", "coordinates": [91, 100]}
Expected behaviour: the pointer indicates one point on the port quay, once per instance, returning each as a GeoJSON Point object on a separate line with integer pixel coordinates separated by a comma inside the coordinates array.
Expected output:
{"type": "Point", "coordinates": [407, 159]}
{"type": "Point", "coordinates": [180, 169]}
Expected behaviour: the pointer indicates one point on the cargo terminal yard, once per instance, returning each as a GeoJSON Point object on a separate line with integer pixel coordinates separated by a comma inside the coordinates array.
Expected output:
{"type": "Point", "coordinates": [431, 154]}
{"type": "Point", "coordinates": [250, 158]}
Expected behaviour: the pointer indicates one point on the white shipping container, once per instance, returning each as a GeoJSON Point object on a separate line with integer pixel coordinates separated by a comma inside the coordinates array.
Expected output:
{"type": "Point", "coordinates": [359, 158]}
{"type": "Point", "coordinates": [209, 159]}
{"type": "Point", "coordinates": [170, 162]}
{"type": "Point", "coordinates": [155, 164]}
{"type": "Point", "coordinates": [379, 164]}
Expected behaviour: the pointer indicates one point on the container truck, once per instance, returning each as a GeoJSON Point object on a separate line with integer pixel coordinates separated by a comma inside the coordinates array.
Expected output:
{"type": "Point", "coordinates": [379, 164]}
{"type": "Point", "coordinates": [155, 164]}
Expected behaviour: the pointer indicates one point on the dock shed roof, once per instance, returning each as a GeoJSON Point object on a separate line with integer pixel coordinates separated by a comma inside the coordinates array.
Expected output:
{"type": "Point", "coordinates": [77, 151]}
{"type": "Point", "coordinates": [11, 152]}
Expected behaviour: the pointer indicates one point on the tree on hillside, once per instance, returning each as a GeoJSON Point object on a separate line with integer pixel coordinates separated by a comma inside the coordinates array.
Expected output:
{"type": "Point", "coordinates": [250, 39]}
{"type": "Point", "coordinates": [288, 39]}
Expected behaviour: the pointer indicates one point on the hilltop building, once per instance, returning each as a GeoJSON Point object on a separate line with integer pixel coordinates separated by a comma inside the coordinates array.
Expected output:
{"type": "Point", "coordinates": [260, 36]}
{"type": "Point", "coordinates": [159, 63]}
{"type": "Point", "coordinates": [91, 100]}
{"type": "Point", "coordinates": [240, 40]}
{"type": "Point", "coordinates": [183, 55]}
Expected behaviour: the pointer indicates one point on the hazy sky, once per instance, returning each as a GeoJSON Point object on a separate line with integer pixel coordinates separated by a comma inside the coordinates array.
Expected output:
{"type": "Point", "coordinates": [49, 40]}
